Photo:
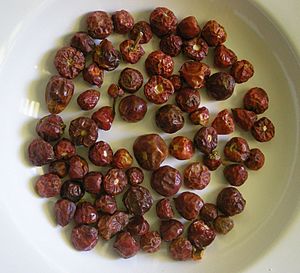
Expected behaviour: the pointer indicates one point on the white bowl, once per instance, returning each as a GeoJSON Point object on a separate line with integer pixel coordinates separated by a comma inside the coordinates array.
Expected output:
{"type": "Point", "coordinates": [272, 193]}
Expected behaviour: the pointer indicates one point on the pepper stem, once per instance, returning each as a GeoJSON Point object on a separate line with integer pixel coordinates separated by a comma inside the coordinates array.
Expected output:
{"type": "Point", "coordinates": [137, 40]}
{"type": "Point", "coordinates": [114, 106]}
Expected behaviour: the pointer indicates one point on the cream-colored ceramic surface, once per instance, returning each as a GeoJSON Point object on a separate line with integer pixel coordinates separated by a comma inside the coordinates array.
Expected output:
{"type": "Point", "coordinates": [264, 238]}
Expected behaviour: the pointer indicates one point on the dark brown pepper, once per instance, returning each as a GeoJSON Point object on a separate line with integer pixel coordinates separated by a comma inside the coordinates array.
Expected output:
{"type": "Point", "coordinates": [166, 180]}
{"type": "Point", "coordinates": [235, 174]}
{"type": "Point", "coordinates": [137, 200]}
{"type": "Point", "coordinates": [131, 80]}
{"type": "Point", "coordinates": [159, 63]}
{"type": "Point", "coordinates": [208, 213]}
{"type": "Point", "coordinates": [176, 82]}
{"type": "Point", "coordinates": [83, 42]}
{"type": "Point", "coordinates": [212, 161]}
{"type": "Point", "coordinates": [84, 237]}
{"type": "Point", "coordinates": [244, 118]}
{"type": "Point", "coordinates": [181, 148]}
{"type": "Point", "coordinates": [143, 29]}
{"type": "Point", "coordinates": [200, 234]}
{"type": "Point", "coordinates": [230, 201]}
{"type": "Point", "coordinates": [48, 185]}
{"type": "Point", "coordinates": [188, 28]}
{"type": "Point", "coordinates": [255, 160]}
{"type": "Point", "coordinates": [59, 92]}
{"type": "Point", "coordinates": [237, 149]}
{"type": "Point", "coordinates": [115, 91]}
{"type": "Point", "coordinates": [220, 85]}
{"type": "Point", "coordinates": [181, 249]}
{"type": "Point", "coordinates": [132, 108]}
{"type": "Point", "coordinates": [122, 159]}
{"type": "Point", "coordinates": [214, 33]}
{"type": "Point", "coordinates": [188, 204]}
{"type": "Point", "coordinates": [106, 204]}
{"type": "Point", "coordinates": [169, 118]}
{"type": "Point", "coordinates": [195, 49]}
{"type": "Point", "coordinates": [109, 225]}
{"type": "Point", "coordinates": [99, 24]}
{"type": "Point", "coordinates": [92, 182]}
{"type": "Point", "coordinates": [78, 167]}
{"type": "Point", "coordinates": [171, 45]}
{"type": "Point", "coordinates": [93, 74]}
{"type": "Point", "coordinates": [138, 226]}
{"type": "Point", "coordinates": [256, 100]}
{"type": "Point", "coordinates": [85, 214]}
{"type": "Point", "coordinates": [206, 139]}
{"type": "Point", "coordinates": [164, 209]}
{"type": "Point", "coordinates": [64, 211]}
{"type": "Point", "coordinates": [195, 73]}
{"type": "Point", "coordinates": [170, 229]}
{"type": "Point", "coordinates": [83, 131]}
{"type": "Point", "coordinates": [242, 71]}
{"type": "Point", "coordinates": [188, 99]}
{"type": "Point", "coordinates": [59, 167]}
{"type": "Point", "coordinates": [101, 154]}
{"type": "Point", "coordinates": [104, 117]}
{"type": "Point", "coordinates": [126, 245]}
{"type": "Point", "coordinates": [135, 176]}
{"type": "Point", "coordinates": [196, 176]}
{"type": "Point", "coordinates": [131, 50]}
{"type": "Point", "coordinates": [150, 151]}
{"type": "Point", "coordinates": [106, 56]}
{"type": "Point", "coordinates": [162, 21]}
{"type": "Point", "coordinates": [224, 57]}
{"type": "Point", "coordinates": [223, 224]}
{"type": "Point", "coordinates": [88, 99]}
{"type": "Point", "coordinates": [200, 116]}
{"type": "Point", "coordinates": [40, 152]}
{"type": "Point", "coordinates": [150, 242]}
{"type": "Point", "coordinates": [223, 123]}
{"type": "Point", "coordinates": [123, 21]}
{"type": "Point", "coordinates": [115, 181]}
{"type": "Point", "coordinates": [64, 149]}
{"type": "Point", "coordinates": [50, 128]}
{"type": "Point", "coordinates": [72, 190]}
{"type": "Point", "coordinates": [263, 130]}
{"type": "Point", "coordinates": [158, 89]}
{"type": "Point", "coordinates": [69, 62]}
